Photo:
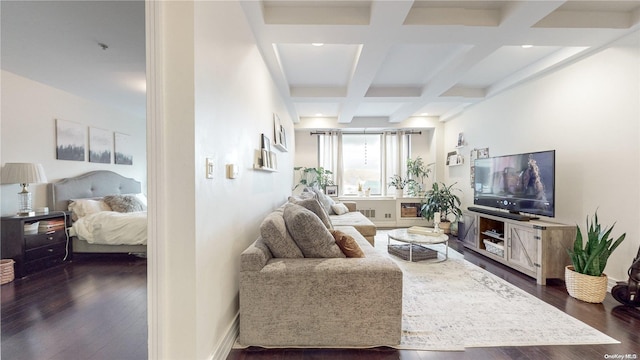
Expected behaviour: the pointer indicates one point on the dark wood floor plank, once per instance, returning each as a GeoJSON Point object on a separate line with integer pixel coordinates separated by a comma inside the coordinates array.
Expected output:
{"type": "Point", "coordinates": [90, 308]}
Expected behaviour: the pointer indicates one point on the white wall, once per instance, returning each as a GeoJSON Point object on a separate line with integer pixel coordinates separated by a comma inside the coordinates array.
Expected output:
{"type": "Point", "coordinates": [28, 134]}
{"type": "Point", "coordinates": [589, 112]}
{"type": "Point", "coordinates": [217, 103]}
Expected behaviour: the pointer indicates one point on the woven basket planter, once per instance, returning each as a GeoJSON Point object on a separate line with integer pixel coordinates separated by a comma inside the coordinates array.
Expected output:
{"type": "Point", "coordinates": [591, 289]}
{"type": "Point", "coordinates": [6, 271]}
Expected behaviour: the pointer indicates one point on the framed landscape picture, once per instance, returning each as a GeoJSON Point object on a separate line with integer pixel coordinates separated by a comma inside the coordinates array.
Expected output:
{"type": "Point", "coordinates": [71, 140]}
{"type": "Point", "coordinates": [124, 149]}
{"type": "Point", "coordinates": [100, 145]}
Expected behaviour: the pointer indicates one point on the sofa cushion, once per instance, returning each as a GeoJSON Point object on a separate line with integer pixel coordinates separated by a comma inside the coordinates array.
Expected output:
{"type": "Point", "coordinates": [357, 220]}
{"type": "Point", "coordinates": [309, 233]}
{"type": "Point", "coordinates": [274, 233]}
{"type": "Point", "coordinates": [339, 208]}
{"type": "Point", "coordinates": [315, 207]}
{"type": "Point", "coordinates": [347, 244]}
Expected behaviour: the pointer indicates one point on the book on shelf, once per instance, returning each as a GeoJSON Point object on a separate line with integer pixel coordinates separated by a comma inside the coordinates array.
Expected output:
{"type": "Point", "coordinates": [50, 225]}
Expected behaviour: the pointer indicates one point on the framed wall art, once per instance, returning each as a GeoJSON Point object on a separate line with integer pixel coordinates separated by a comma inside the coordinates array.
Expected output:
{"type": "Point", "coordinates": [71, 140]}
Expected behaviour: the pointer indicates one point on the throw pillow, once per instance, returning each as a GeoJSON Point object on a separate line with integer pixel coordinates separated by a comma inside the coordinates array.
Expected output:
{"type": "Point", "coordinates": [274, 233]}
{"type": "Point", "coordinates": [347, 244]}
{"type": "Point", "coordinates": [339, 208]}
{"type": "Point", "coordinates": [82, 207]}
{"type": "Point", "coordinates": [124, 203]}
{"type": "Point", "coordinates": [324, 200]}
{"type": "Point", "coordinates": [315, 207]}
{"type": "Point", "coordinates": [309, 233]}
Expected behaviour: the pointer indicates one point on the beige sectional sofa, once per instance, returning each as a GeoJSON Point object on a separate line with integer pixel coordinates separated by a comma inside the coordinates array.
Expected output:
{"type": "Point", "coordinates": [309, 282]}
{"type": "Point", "coordinates": [319, 302]}
{"type": "Point", "coordinates": [357, 220]}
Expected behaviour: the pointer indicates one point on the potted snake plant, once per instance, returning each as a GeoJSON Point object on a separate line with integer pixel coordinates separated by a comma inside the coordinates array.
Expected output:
{"type": "Point", "coordinates": [585, 278]}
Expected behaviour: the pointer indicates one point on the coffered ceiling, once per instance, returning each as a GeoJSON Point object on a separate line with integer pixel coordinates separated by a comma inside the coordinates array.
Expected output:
{"type": "Point", "coordinates": [395, 59]}
{"type": "Point", "coordinates": [381, 61]}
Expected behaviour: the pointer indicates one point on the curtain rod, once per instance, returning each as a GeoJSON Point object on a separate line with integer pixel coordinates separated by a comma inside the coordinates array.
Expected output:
{"type": "Point", "coordinates": [369, 132]}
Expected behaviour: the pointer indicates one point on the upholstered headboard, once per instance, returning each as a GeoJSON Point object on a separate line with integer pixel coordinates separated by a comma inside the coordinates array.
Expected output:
{"type": "Point", "coordinates": [89, 185]}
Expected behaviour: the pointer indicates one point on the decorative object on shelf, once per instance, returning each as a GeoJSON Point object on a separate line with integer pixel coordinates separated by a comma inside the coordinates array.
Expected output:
{"type": "Point", "coordinates": [460, 140]}
{"type": "Point", "coordinates": [441, 200]}
{"type": "Point", "coordinates": [585, 278]}
{"type": "Point", "coordinates": [331, 190]}
{"type": "Point", "coordinates": [279, 134]}
{"type": "Point", "coordinates": [23, 174]}
{"type": "Point", "coordinates": [70, 140]}
{"type": "Point", "coordinates": [418, 172]}
{"type": "Point", "coordinates": [317, 177]}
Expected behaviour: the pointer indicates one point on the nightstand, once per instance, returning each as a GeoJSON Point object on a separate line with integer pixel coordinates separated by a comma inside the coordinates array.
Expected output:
{"type": "Point", "coordinates": [42, 247]}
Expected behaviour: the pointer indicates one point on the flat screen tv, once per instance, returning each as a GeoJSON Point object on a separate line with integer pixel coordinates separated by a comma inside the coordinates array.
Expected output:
{"type": "Point", "coordinates": [520, 183]}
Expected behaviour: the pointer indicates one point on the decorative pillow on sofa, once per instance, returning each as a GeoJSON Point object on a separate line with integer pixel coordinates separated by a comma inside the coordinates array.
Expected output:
{"type": "Point", "coordinates": [339, 208]}
{"type": "Point", "coordinates": [124, 203]}
{"type": "Point", "coordinates": [324, 200]}
{"type": "Point", "coordinates": [274, 233]}
{"type": "Point", "coordinates": [309, 233]}
{"type": "Point", "coordinates": [347, 244]}
{"type": "Point", "coordinates": [315, 207]}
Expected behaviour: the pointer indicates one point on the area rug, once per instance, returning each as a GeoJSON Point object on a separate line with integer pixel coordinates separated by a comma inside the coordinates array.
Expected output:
{"type": "Point", "coordinates": [454, 304]}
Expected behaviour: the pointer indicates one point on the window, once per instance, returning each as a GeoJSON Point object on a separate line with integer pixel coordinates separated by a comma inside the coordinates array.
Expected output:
{"type": "Point", "coordinates": [366, 159]}
{"type": "Point", "coordinates": [362, 163]}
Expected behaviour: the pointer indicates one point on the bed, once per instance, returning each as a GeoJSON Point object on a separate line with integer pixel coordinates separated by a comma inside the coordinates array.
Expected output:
{"type": "Point", "coordinates": [92, 187]}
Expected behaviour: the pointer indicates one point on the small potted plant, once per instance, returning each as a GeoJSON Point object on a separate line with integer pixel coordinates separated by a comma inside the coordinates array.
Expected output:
{"type": "Point", "coordinates": [399, 183]}
{"type": "Point", "coordinates": [441, 199]}
{"type": "Point", "coordinates": [585, 278]}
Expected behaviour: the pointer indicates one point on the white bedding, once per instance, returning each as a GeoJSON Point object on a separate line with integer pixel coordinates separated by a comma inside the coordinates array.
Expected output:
{"type": "Point", "coordinates": [112, 228]}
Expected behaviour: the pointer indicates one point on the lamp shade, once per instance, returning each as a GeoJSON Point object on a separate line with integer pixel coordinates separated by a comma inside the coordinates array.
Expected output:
{"type": "Point", "coordinates": [23, 173]}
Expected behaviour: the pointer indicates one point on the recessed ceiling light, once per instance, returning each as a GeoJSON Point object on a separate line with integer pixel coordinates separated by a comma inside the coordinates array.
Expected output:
{"type": "Point", "coordinates": [318, 114]}
{"type": "Point", "coordinates": [317, 44]}
{"type": "Point", "coordinates": [424, 114]}
{"type": "Point", "coordinates": [527, 46]}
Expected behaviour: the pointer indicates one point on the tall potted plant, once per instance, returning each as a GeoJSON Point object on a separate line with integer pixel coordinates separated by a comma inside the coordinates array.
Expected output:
{"type": "Point", "coordinates": [585, 278]}
{"type": "Point", "coordinates": [314, 177]}
{"type": "Point", "coordinates": [441, 199]}
{"type": "Point", "coordinates": [417, 171]}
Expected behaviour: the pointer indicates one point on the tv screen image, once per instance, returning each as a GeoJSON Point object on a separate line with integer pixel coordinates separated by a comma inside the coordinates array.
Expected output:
{"type": "Point", "coordinates": [518, 183]}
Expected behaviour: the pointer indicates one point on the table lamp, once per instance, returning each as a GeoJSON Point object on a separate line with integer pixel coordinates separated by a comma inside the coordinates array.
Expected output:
{"type": "Point", "coordinates": [23, 174]}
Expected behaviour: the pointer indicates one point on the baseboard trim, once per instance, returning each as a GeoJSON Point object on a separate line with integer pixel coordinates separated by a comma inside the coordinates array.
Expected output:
{"type": "Point", "coordinates": [224, 348]}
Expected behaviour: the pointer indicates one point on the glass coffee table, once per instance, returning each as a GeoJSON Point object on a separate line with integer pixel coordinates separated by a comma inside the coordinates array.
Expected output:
{"type": "Point", "coordinates": [414, 247]}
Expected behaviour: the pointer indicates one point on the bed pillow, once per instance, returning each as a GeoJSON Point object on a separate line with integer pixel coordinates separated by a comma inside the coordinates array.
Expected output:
{"type": "Point", "coordinates": [142, 198]}
{"type": "Point", "coordinates": [124, 203]}
{"type": "Point", "coordinates": [309, 233]}
{"type": "Point", "coordinates": [82, 207]}
{"type": "Point", "coordinates": [347, 244]}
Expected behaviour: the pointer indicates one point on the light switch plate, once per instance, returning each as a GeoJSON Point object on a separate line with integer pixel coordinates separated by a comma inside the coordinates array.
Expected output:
{"type": "Point", "coordinates": [209, 171]}
{"type": "Point", "coordinates": [232, 171]}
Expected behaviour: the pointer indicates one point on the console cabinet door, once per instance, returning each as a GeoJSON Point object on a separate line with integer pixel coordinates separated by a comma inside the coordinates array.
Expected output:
{"type": "Point", "coordinates": [522, 247]}
{"type": "Point", "coordinates": [469, 234]}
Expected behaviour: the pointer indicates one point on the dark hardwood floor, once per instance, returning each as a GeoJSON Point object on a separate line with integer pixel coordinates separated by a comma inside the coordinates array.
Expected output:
{"type": "Point", "coordinates": [621, 323]}
{"type": "Point", "coordinates": [94, 307]}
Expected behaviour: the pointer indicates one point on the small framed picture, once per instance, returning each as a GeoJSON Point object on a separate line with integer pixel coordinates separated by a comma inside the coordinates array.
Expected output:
{"type": "Point", "coordinates": [331, 190]}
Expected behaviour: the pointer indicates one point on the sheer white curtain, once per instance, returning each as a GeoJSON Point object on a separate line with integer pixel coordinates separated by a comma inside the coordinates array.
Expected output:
{"type": "Point", "coordinates": [396, 151]}
{"type": "Point", "coordinates": [330, 155]}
